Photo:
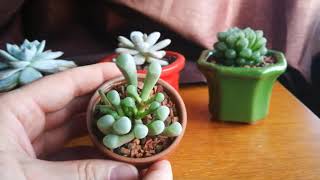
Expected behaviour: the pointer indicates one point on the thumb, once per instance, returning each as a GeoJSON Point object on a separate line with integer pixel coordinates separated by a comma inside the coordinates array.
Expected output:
{"type": "Point", "coordinates": [82, 170]}
{"type": "Point", "coordinates": [160, 170]}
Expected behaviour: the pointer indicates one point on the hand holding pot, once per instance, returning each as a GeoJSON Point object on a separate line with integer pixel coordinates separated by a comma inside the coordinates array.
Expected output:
{"type": "Point", "coordinates": [38, 119]}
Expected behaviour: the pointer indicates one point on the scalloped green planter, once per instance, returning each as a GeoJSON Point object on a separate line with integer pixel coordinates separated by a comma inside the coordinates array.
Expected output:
{"type": "Point", "coordinates": [240, 94]}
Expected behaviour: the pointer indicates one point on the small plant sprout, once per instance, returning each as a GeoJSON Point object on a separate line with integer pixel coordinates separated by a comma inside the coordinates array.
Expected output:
{"type": "Point", "coordinates": [122, 120]}
{"type": "Point", "coordinates": [240, 47]}
{"type": "Point", "coordinates": [143, 47]}
{"type": "Point", "coordinates": [23, 64]}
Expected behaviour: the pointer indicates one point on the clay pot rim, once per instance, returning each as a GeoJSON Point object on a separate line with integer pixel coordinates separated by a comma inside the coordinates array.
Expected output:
{"type": "Point", "coordinates": [175, 66]}
{"type": "Point", "coordinates": [174, 95]}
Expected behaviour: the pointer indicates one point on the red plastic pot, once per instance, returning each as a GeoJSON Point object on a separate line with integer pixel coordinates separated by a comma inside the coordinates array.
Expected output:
{"type": "Point", "coordinates": [170, 73]}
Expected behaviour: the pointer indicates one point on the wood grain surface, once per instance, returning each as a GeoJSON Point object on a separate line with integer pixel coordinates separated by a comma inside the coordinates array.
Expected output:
{"type": "Point", "coordinates": [285, 145]}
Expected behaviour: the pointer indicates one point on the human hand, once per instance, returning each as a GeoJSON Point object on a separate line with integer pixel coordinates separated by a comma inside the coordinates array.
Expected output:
{"type": "Point", "coordinates": [38, 119]}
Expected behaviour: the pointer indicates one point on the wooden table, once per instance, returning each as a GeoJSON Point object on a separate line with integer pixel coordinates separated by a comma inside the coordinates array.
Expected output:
{"type": "Point", "coordinates": [286, 145]}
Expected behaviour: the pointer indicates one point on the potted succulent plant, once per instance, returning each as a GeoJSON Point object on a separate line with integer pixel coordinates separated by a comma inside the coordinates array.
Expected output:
{"type": "Point", "coordinates": [27, 63]}
{"type": "Point", "coordinates": [240, 73]}
{"type": "Point", "coordinates": [135, 118]}
{"type": "Point", "coordinates": [145, 49]}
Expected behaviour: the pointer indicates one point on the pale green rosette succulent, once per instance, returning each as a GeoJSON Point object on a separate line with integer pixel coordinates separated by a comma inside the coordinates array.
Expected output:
{"type": "Point", "coordinates": [27, 63]}
{"type": "Point", "coordinates": [144, 48]}
{"type": "Point", "coordinates": [121, 121]}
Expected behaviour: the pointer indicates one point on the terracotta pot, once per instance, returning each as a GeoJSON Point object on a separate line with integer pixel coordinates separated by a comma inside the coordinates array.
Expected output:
{"type": "Point", "coordinates": [96, 136]}
{"type": "Point", "coordinates": [170, 73]}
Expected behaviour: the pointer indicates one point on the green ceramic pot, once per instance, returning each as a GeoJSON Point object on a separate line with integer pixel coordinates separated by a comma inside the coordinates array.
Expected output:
{"type": "Point", "coordinates": [240, 94]}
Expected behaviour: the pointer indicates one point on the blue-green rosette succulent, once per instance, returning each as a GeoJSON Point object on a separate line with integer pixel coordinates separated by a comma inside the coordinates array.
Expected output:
{"type": "Point", "coordinates": [240, 47]}
{"type": "Point", "coordinates": [27, 63]}
{"type": "Point", "coordinates": [122, 119]}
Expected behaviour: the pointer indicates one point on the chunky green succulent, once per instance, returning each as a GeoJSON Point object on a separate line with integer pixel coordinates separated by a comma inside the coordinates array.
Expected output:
{"type": "Point", "coordinates": [240, 47]}
{"type": "Point", "coordinates": [121, 119]}
{"type": "Point", "coordinates": [143, 47]}
{"type": "Point", "coordinates": [27, 63]}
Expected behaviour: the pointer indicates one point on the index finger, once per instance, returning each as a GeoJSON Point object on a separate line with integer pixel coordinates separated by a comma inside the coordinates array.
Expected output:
{"type": "Point", "coordinates": [52, 93]}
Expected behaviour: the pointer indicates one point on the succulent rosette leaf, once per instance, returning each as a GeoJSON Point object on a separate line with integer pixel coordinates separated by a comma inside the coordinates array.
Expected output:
{"type": "Point", "coordinates": [122, 119]}
{"type": "Point", "coordinates": [27, 63]}
{"type": "Point", "coordinates": [240, 47]}
{"type": "Point", "coordinates": [144, 48]}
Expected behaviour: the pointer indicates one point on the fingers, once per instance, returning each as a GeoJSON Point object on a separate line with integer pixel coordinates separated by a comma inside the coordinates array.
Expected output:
{"type": "Point", "coordinates": [53, 140]}
{"type": "Point", "coordinates": [30, 103]}
{"type": "Point", "coordinates": [56, 119]}
{"type": "Point", "coordinates": [160, 170]}
{"type": "Point", "coordinates": [81, 169]}
{"type": "Point", "coordinates": [53, 92]}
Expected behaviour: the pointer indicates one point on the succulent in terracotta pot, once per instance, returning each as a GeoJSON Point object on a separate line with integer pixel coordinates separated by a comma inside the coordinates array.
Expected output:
{"type": "Point", "coordinates": [145, 49]}
{"type": "Point", "coordinates": [136, 118]}
{"type": "Point", "coordinates": [27, 63]}
{"type": "Point", "coordinates": [240, 73]}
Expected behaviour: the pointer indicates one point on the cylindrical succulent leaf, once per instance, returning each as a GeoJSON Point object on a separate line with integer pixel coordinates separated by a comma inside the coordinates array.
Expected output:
{"type": "Point", "coordinates": [153, 74]}
{"type": "Point", "coordinates": [122, 125]}
{"type": "Point", "coordinates": [128, 102]}
{"type": "Point", "coordinates": [156, 127]}
{"type": "Point", "coordinates": [140, 131]}
{"type": "Point", "coordinates": [105, 123]}
{"type": "Point", "coordinates": [113, 141]}
{"type": "Point", "coordinates": [240, 47]}
{"type": "Point", "coordinates": [127, 66]}
{"type": "Point", "coordinates": [113, 97]}
{"type": "Point", "coordinates": [132, 91]}
{"type": "Point", "coordinates": [173, 130]}
{"type": "Point", "coordinates": [162, 113]}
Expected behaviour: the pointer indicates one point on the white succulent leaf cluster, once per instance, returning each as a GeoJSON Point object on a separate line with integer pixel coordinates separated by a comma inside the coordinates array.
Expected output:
{"type": "Point", "coordinates": [144, 48]}
{"type": "Point", "coordinates": [27, 63]}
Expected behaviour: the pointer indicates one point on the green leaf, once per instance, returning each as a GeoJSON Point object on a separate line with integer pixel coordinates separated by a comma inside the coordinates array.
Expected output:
{"type": "Point", "coordinates": [133, 92]}
{"type": "Point", "coordinates": [9, 83]}
{"type": "Point", "coordinates": [153, 74]}
{"type": "Point", "coordinates": [113, 141]}
{"type": "Point", "coordinates": [173, 130]}
{"type": "Point", "coordinates": [245, 53]}
{"type": "Point", "coordinates": [41, 46]}
{"type": "Point", "coordinates": [7, 57]}
{"type": "Point", "coordinates": [162, 113]}
{"type": "Point", "coordinates": [140, 131]}
{"type": "Point", "coordinates": [221, 46]}
{"type": "Point", "coordinates": [27, 54]}
{"type": "Point", "coordinates": [127, 66]}
{"type": "Point", "coordinates": [3, 65]}
{"type": "Point", "coordinates": [156, 127]}
{"type": "Point", "coordinates": [122, 125]}
{"type": "Point", "coordinates": [29, 75]}
{"type": "Point", "coordinates": [19, 64]}
{"type": "Point", "coordinates": [4, 74]}
{"type": "Point", "coordinates": [113, 97]}
{"type": "Point", "coordinates": [47, 55]}
{"type": "Point", "coordinates": [105, 123]}
{"type": "Point", "coordinates": [242, 43]}
{"type": "Point", "coordinates": [230, 54]}
{"type": "Point", "coordinates": [12, 48]}
{"type": "Point", "coordinates": [53, 66]}
{"type": "Point", "coordinates": [128, 102]}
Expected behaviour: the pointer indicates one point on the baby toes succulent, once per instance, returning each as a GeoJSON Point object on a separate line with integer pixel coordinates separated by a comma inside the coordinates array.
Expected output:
{"type": "Point", "coordinates": [143, 47]}
{"type": "Point", "coordinates": [240, 47]}
{"type": "Point", "coordinates": [27, 63]}
{"type": "Point", "coordinates": [122, 119]}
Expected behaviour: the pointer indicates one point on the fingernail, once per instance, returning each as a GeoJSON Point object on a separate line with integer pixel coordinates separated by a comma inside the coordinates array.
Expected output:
{"type": "Point", "coordinates": [124, 172]}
